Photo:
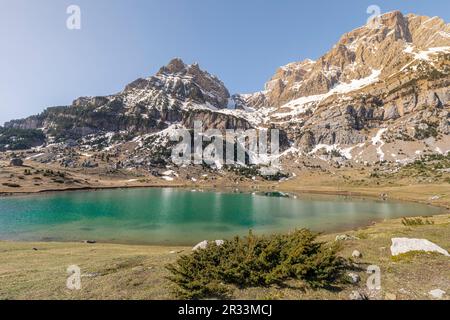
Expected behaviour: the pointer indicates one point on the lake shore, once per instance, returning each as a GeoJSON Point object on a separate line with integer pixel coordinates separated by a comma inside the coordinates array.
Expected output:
{"type": "Point", "coordinates": [345, 182]}
{"type": "Point", "coordinates": [30, 270]}
{"type": "Point", "coordinates": [431, 194]}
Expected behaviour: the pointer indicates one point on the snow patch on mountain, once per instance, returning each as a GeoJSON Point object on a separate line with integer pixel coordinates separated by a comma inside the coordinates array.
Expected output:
{"type": "Point", "coordinates": [379, 143]}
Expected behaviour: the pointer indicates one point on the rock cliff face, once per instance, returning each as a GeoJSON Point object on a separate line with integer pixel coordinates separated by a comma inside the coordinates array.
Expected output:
{"type": "Point", "coordinates": [383, 48]}
{"type": "Point", "coordinates": [391, 74]}
{"type": "Point", "coordinates": [381, 93]}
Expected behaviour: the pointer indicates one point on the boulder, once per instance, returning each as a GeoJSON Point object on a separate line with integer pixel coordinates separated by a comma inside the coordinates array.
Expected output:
{"type": "Point", "coordinates": [353, 277]}
{"type": "Point", "coordinates": [204, 245]}
{"type": "Point", "coordinates": [345, 237]}
{"type": "Point", "coordinates": [437, 293]}
{"type": "Point", "coordinates": [16, 162]}
{"type": "Point", "coordinates": [91, 275]}
{"type": "Point", "coordinates": [357, 254]}
{"type": "Point", "coordinates": [391, 113]}
{"type": "Point", "coordinates": [405, 245]}
{"type": "Point", "coordinates": [138, 269]}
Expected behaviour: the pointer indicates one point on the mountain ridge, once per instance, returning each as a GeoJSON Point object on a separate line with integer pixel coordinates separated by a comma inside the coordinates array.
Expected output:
{"type": "Point", "coordinates": [384, 82]}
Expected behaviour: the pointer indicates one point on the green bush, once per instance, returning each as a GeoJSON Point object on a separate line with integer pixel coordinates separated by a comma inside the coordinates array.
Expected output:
{"type": "Point", "coordinates": [414, 222]}
{"type": "Point", "coordinates": [255, 261]}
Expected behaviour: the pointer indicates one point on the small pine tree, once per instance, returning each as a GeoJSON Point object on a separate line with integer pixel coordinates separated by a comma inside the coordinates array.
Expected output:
{"type": "Point", "coordinates": [255, 261]}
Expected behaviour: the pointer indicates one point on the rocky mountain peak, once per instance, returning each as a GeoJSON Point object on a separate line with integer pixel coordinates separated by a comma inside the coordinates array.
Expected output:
{"type": "Point", "coordinates": [179, 84]}
{"type": "Point", "coordinates": [365, 55]}
{"type": "Point", "coordinates": [175, 65]}
{"type": "Point", "coordinates": [393, 20]}
{"type": "Point", "coordinates": [381, 84]}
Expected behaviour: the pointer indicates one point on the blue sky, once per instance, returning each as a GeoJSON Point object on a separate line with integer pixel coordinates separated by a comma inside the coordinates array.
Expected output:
{"type": "Point", "coordinates": [42, 63]}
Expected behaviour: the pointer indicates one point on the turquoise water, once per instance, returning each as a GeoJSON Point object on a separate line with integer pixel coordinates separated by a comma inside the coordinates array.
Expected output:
{"type": "Point", "coordinates": [183, 217]}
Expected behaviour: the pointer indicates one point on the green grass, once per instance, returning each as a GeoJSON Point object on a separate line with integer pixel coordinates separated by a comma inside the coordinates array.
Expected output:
{"type": "Point", "coordinates": [112, 271]}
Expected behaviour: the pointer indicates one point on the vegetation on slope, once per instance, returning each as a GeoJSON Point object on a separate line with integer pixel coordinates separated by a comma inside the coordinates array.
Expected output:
{"type": "Point", "coordinates": [20, 139]}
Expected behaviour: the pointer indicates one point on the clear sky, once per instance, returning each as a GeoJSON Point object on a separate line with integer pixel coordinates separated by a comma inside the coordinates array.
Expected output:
{"type": "Point", "coordinates": [42, 63]}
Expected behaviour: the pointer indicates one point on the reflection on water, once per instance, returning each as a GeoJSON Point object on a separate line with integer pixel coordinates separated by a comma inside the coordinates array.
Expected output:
{"type": "Point", "coordinates": [173, 216]}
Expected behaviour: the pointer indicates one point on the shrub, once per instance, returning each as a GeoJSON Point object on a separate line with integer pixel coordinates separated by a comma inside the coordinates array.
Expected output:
{"type": "Point", "coordinates": [413, 222]}
{"type": "Point", "coordinates": [255, 261]}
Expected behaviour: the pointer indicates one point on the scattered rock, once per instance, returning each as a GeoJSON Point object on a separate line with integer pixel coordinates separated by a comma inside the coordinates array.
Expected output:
{"type": "Point", "coordinates": [138, 269]}
{"type": "Point", "coordinates": [89, 164]}
{"type": "Point", "coordinates": [403, 291]}
{"type": "Point", "coordinates": [346, 237]}
{"type": "Point", "coordinates": [357, 254]}
{"type": "Point", "coordinates": [201, 245]}
{"type": "Point", "coordinates": [219, 243]}
{"type": "Point", "coordinates": [355, 295]}
{"type": "Point", "coordinates": [405, 245]}
{"type": "Point", "coordinates": [35, 249]}
{"type": "Point", "coordinates": [204, 244]}
{"type": "Point", "coordinates": [91, 275]}
{"type": "Point", "coordinates": [437, 293]}
{"type": "Point", "coordinates": [353, 277]}
{"type": "Point", "coordinates": [16, 162]}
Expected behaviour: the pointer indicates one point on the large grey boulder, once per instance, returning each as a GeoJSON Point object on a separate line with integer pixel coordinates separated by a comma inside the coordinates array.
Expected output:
{"type": "Point", "coordinates": [16, 162]}
{"type": "Point", "coordinates": [405, 245]}
{"type": "Point", "coordinates": [437, 293]}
